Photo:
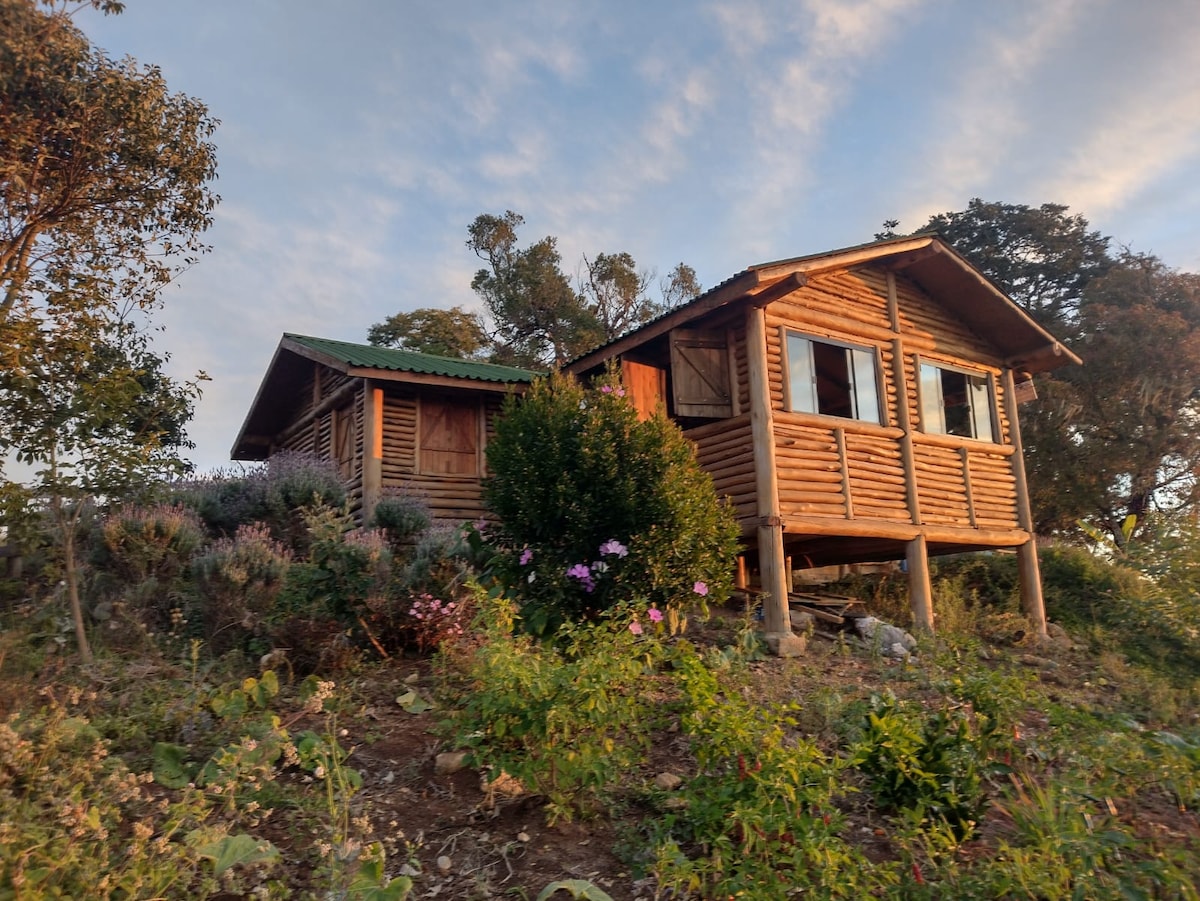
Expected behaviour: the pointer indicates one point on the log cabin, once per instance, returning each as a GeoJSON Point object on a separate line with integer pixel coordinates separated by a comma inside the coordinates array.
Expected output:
{"type": "Point", "coordinates": [391, 419]}
{"type": "Point", "coordinates": [855, 405]}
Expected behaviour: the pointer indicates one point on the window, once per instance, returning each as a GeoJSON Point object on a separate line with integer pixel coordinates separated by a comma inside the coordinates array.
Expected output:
{"type": "Point", "coordinates": [956, 403]}
{"type": "Point", "coordinates": [832, 379]}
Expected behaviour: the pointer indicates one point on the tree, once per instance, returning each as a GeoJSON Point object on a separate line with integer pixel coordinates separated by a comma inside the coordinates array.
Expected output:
{"type": "Point", "coordinates": [95, 415]}
{"type": "Point", "coordinates": [615, 292]}
{"type": "Point", "coordinates": [1120, 435]}
{"type": "Point", "coordinates": [538, 318]}
{"type": "Point", "coordinates": [1041, 257]}
{"type": "Point", "coordinates": [680, 286]}
{"type": "Point", "coordinates": [447, 333]}
{"type": "Point", "coordinates": [104, 193]}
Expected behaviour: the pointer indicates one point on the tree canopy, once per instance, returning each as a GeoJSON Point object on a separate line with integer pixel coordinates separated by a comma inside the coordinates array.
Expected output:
{"type": "Point", "coordinates": [447, 333]}
{"type": "Point", "coordinates": [533, 316]}
{"type": "Point", "coordinates": [1120, 435]}
{"type": "Point", "coordinates": [104, 194]}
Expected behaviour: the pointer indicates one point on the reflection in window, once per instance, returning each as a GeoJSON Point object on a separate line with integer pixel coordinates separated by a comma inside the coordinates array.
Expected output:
{"type": "Point", "coordinates": [832, 379]}
{"type": "Point", "coordinates": [956, 403]}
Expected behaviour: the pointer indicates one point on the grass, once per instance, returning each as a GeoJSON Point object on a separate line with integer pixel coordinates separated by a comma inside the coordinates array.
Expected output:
{"type": "Point", "coordinates": [988, 766]}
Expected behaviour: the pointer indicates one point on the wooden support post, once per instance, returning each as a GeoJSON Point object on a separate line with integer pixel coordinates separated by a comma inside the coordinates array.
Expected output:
{"type": "Point", "coordinates": [1028, 570]}
{"type": "Point", "coordinates": [372, 448]}
{"type": "Point", "coordinates": [903, 419]}
{"type": "Point", "coordinates": [740, 579]}
{"type": "Point", "coordinates": [920, 589]}
{"type": "Point", "coordinates": [789, 575]}
{"type": "Point", "coordinates": [777, 623]}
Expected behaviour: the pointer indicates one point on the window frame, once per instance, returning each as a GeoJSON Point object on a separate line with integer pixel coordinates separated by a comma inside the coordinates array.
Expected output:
{"type": "Point", "coordinates": [943, 426]}
{"type": "Point", "coordinates": [855, 397]}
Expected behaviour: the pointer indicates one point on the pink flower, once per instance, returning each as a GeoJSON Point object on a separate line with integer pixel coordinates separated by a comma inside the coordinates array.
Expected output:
{"type": "Point", "coordinates": [526, 556]}
{"type": "Point", "coordinates": [635, 627]}
{"type": "Point", "coordinates": [612, 546]}
{"type": "Point", "coordinates": [701, 588]}
{"type": "Point", "coordinates": [655, 615]}
{"type": "Point", "coordinates": [606, 389]}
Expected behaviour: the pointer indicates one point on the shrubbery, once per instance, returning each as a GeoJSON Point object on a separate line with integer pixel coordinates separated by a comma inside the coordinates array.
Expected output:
{"type": "Point", "coordinates": [598, 508]}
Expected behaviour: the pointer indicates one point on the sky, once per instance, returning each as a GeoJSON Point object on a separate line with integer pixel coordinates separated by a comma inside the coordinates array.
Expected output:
{"type": "Point", "coordinates": [359, 139]}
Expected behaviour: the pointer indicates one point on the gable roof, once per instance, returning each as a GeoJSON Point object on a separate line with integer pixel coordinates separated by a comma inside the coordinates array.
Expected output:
{"type": "Point", "coordinates": [927, 259]}
{"type": "Point", "coordinates": [291, 367]}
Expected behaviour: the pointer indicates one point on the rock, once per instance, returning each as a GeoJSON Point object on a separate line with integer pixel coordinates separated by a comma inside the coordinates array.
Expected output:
{"type": "Point", "coordinates": [787, 644]}
{"type": "Point", "coordinates": [803, 622]}
{"type": "Point", "coordinates": [449, 762]}
{"type": "Point", "coordinates": [890, 640]}
{"type": "Point", "coordinates": [675, 803]}
{"type": "Point", "coordinates": [667, 782]}
{"type": "Point", "coordinates": [412, 678]}
{"type": "Point", "coordinates": [523, 836]}
{"type": "Point", "coordinates": [444, 863]}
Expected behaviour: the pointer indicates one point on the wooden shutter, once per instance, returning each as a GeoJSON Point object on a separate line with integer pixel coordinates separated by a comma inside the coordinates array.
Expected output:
{"type": "Point", "coordinates": [345, 440]}
{"type": "Point", "coordinates": [646, 386]}
{"type": "Point", "coordinates": [449, 436]}
{"type": "Point", "coordinates": [700, 374]}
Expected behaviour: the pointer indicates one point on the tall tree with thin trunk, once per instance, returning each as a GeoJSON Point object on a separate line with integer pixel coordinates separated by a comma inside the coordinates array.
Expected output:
{"type": "Point", "coordinates": [105, 191]}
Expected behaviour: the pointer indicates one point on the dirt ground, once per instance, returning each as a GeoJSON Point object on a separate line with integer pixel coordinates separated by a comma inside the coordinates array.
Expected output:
{"type": "Point", "coordinates": [464, 842]}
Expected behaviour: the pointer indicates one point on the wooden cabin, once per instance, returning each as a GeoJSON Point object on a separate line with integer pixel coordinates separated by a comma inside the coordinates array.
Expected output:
{"type": "Point", "coordinates": [857, 405]}
{"type": "Point", "coordinates": [392, 419]}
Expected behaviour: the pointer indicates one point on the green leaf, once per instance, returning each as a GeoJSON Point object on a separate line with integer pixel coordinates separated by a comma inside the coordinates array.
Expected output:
{"type": "Point", "coordinates": [170, 767]}
{"type": "Point", "coordinates": [579, 889]}
{"type": "Point", "coordinates": [411, 702]}
{"type": "Point", "coordinates": [237, 850]}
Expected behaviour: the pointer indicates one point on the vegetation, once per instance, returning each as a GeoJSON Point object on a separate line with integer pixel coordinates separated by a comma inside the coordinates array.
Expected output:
{"type": "Point", "coordinates": [104, 194]}
{"type": "Point", "coordinates": [1115, 437]}
{"type": "Point", "coordinates": [597, 508]}
{"type": "Point", "coordinates": [534, 317]}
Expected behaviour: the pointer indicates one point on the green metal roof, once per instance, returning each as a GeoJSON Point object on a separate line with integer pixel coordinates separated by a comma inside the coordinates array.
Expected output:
{"type": "Point", "coordinates": [369, 356]}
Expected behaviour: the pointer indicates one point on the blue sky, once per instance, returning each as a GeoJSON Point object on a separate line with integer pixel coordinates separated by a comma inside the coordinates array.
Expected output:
{"type": "Point", "coordinates": [360, 138]}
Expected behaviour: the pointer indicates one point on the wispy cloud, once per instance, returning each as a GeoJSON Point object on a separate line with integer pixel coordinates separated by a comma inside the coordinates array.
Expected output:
{"type": "Point", "coordinates": [984, 111]}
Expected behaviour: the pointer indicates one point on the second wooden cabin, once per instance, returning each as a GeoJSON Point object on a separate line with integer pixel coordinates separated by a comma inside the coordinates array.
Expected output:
{"type": "Point", "coordinates": [860, 404]}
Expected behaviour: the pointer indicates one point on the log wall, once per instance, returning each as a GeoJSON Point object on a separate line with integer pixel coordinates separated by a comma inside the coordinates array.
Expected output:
{"type": "Point", "coordinates": [844, 469]}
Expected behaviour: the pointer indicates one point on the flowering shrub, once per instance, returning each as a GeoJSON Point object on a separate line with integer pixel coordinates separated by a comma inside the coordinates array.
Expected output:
{"type": "Point", "coordinates": [598, 507]}
{"type": "Point", "coordinates": [237, 581]}
{"type": "Point", "coordinates": [431, 621]}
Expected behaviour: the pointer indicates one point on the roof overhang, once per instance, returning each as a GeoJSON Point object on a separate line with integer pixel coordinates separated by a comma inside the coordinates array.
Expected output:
{"type": "Point", "coordinates": [291, 368]}
{"type": "Point", "coordinates": [927, 260]}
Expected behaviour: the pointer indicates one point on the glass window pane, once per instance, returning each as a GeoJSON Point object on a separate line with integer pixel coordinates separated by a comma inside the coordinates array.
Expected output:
{"type": "Point", "coordinates": [981, 408]}
{"type": "Point", "coordinates": [931, 400]}
{"type": "Point", "coordinates": [833, 380]}
{"type": "Point", "coordinates": [801, 387]}
{"type": "Point", "coordinates": [866, 386]}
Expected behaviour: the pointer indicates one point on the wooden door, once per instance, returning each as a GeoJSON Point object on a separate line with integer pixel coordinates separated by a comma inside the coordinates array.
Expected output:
{"type": "Point", "coordinates": [449, 442]}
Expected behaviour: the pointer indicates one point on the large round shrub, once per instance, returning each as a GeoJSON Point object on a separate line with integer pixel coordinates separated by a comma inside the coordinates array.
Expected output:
{"type": "Point", "coordinates": [597, 507]}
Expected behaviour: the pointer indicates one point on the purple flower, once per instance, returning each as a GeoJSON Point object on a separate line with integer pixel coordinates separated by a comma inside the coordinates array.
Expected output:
{"type": "Point", "coordinates": [606, 389]}
{"type": "Point", "coordinates": [701, 588]}
{"type": "Point", "coordinates": [526, 556]}
{"type": "Point", "coordinates": [635, 627]}
{"type": "Point", "coordinates": [581, 572]}
{"type": "Point", "coordinates": [612, 546]}
{"type": "Point", "coordinates": [655, 615]}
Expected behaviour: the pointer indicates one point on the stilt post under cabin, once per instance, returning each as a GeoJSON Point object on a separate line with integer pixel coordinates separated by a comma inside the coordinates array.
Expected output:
{"type": "Point", "coordinates": [772, 560]}
{"type": "Point", "coordinates": [1028, 570]}
{"type": "Point", "coordinates": [920, 589]}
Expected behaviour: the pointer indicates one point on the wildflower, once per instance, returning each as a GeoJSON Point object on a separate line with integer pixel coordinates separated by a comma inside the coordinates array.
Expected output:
{"type": "Point", "coordinates": [612, 546]}
{"type": "Point", "coordinates": [599, 567]}
{"type": "Point", "coordinates": [606, 389]}
{"type": "Point", "coordinates": [531, 577]}
{"type": "Point", "coordinates": [526, 556]}
{"type": "Point", "coordinates": [635, 627]}
{"type": "Point", "coordinates": [579, 571]}
{"type": "Point", "coordinates": [700, 588]}
{"type": "Point", "coordinates": [655, 615]}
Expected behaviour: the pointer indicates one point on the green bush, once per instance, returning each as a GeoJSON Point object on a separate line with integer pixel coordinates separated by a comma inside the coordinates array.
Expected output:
{"type": "Point", "coordinates": [237, 582]}
{"type": "Point", "coordinates": [344, 567]}
{"type": "Point", "coordinates": [597, 507]}
{"type": "Point", "coordinates": [402, 517]}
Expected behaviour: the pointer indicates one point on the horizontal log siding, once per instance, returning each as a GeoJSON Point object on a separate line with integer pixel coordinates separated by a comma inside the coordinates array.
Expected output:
{"type": "Point", "coordinates": [399, 436]}
{"type": "Point", "coordinates": [725, 451]}
{"type": "Point", "coordinates": [961, 484]}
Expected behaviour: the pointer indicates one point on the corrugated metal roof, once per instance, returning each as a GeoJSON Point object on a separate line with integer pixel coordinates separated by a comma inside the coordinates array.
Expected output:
{"type": "Point", "coordinates": [369, 356]}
